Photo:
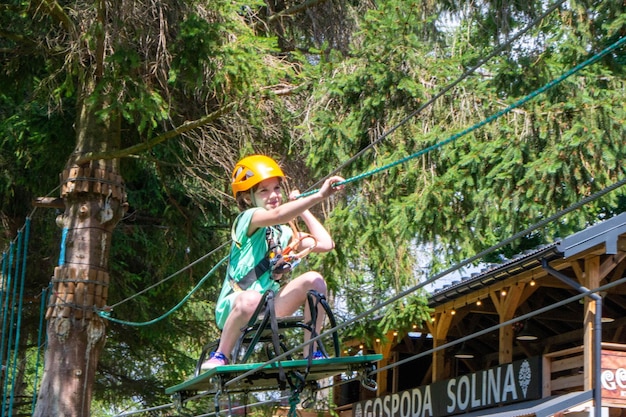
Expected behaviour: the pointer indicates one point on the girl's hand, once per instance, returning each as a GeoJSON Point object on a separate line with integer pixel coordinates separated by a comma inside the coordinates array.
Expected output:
{"type": "Point", "coordinates": [328, 187]}
{"type": "Point", "coordinates": [294, 195]}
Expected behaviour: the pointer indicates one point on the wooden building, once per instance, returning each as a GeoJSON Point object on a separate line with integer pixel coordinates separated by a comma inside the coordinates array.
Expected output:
{"type": "Point", "coordinates": [541, 334]}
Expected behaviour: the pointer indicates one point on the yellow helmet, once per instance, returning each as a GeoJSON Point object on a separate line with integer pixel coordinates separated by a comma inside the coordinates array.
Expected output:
{"type": "Point", "coordinates": [253, 169]}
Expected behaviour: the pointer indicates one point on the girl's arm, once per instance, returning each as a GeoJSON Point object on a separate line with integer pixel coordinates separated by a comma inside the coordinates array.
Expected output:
{"type": "Point", "coordinates": [292, 209]}
{"type": "Point", "coordinates": [324, 241]}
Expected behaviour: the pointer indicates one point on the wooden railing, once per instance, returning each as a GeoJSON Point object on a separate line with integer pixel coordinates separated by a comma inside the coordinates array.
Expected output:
{"type": "Point", "coordinates": [563, 371]}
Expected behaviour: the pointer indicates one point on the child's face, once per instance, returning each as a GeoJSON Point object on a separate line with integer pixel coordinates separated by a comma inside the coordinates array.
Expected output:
{"type": "Point", "coordinates": [268, 194]}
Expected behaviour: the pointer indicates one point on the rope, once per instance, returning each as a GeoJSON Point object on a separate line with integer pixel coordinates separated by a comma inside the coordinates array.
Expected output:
{"type": "Point", "coordinates": [6, 355]}
{"type": "Point", "coordinates": [486, 121]}
{"type": "Point", "coordinates": [7, 259]}
{"type": "Point", "coordinates": [542, 223]}
{"type": "Point", "coordinates": [294, 400]}
{"type": "Point", "coordinates": [15, 319]}
{"type": "Point", "coordinates": [24, 251]}
{"type": "Point", "coordinates": [171, 276]}
{"type": "Point", "coordinates": [107, 314]}
{"type": "Point", "coordinates": [463, 76]}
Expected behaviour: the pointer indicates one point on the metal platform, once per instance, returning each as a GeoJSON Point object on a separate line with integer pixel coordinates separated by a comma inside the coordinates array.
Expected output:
{"type": "Point", "coordinates": [266, 377]}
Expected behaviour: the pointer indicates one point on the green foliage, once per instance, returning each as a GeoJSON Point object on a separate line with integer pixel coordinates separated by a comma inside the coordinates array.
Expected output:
{"type": "Point", "coordinates": [473, 193]}
{"type": "Point", "coordinates": [312, 89]}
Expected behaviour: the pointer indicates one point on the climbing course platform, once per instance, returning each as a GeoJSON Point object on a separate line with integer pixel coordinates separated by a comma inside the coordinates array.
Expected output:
{"type": "Point", "coordinates": [265, 378]}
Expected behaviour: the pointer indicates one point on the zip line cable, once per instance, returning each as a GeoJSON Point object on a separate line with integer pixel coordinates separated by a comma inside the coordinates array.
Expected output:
{"type": "Point", "coordinates": [202, 258]}
{"type": "Point", "coordinates": [106, 314]}
{"type": "Point", "coordinates": [533, 313]}
{"type": "Point", "coordinates": [443, 91]}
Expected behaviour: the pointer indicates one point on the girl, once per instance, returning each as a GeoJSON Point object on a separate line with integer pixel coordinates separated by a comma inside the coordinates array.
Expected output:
{"type": "Point", "coordinates": [259, 234]}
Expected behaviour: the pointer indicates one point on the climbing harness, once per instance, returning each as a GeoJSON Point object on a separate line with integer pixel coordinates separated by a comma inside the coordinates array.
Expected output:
{"type": "Point", "coordinates": [277, 260]}
{"type": "Point", "coordinates": [283, 261]}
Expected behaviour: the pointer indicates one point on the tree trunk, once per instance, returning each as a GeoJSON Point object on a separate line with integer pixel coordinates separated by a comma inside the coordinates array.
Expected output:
{"type": "Point", "coordinates": [95, 201]}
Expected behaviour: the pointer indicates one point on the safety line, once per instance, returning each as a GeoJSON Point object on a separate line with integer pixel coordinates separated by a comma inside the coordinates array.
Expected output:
{"type": "Point", "coordinates": [484, 122]}
{"type": "Point", "coordinates": [20, 304]}
{"type": "Point", "coordinates": [9, 365]}
{"type": "Point", "coordinates": [443, 91]}
{"type": "Point", "coordinates": [202, 258]}
{"type": "Point", "coordinates": [107, 314]}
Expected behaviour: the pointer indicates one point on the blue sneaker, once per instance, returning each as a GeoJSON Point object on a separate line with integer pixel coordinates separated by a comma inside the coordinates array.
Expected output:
{"type": "Point", "coordinates": [318, 354]}
{"type": "Point", "coordinates": [216, 359]}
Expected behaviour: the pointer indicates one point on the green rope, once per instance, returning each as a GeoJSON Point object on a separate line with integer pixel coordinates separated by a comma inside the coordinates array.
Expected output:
{"type": "Point", "coordinates": [107, 315]}
{"type": "Point", "coordinates": [7, 262]}
{"type": "Point", "coordinates": [202, 258]}
{"type": "Point", "coordinates": [294, 400]}
{"type": "Point", "coordinates": [10, 317]}
{"type": "Point", "coordinates": [486, 121]}
{"type": "Point", "coordinates": [20, 304]}
{"type": "Point", "coordinates": [5, 293]}
{"type": "Point", "coordinates": [9, 346]}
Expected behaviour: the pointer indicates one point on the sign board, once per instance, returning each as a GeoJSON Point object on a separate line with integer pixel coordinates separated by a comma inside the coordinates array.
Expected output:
{"type": "Point", "coordinates": [613, 377]}
{"type": "Point", "coordinates": [503, 384]}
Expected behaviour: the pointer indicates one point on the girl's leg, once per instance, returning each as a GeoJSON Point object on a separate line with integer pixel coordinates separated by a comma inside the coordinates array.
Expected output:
{"type": "Point", "coordinates": [294, 295]}
{"type": "Point", "coordinates": [244, 306]}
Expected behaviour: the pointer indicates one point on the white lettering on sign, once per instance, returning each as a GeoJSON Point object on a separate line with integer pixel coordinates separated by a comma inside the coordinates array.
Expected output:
{"type": "Point", "coordinates": [506, 383]}
{"type": "Point", "coordinates": [614, 379]}
{"type": "Point", "coordinates": [410, 403]}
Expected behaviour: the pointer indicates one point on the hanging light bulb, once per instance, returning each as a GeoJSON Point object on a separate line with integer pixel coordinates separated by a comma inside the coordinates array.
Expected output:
{"type": "Point", "coordinates": [527, 334]}
{"type": "Point", "coordinates": [464, 352]}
